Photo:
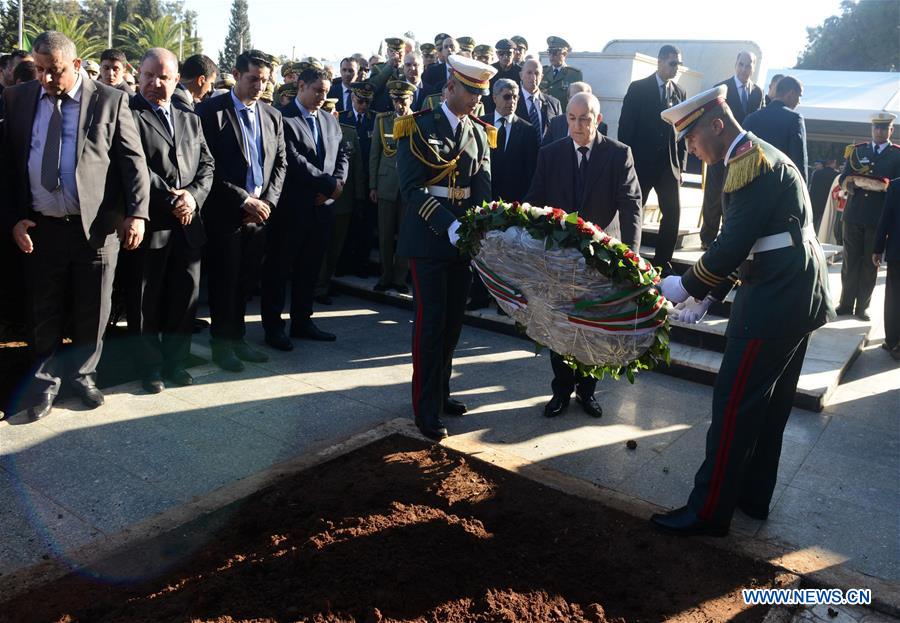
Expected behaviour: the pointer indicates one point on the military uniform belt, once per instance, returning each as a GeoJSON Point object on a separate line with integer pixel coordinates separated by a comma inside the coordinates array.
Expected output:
{"type": "Point", "coordinates": [779, 241]}
{"type": "Point", "coordinates": [456, 194]}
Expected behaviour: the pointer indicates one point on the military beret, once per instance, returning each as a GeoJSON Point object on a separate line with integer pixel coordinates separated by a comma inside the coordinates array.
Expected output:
{"type": "Point", "coordinates": [400, 88]}
{"type": "Point", "coordinates": [520, 41]}
{"type": "Point", "coordinates": [505, 45]}
{"type": "Point", "coordinates": [439, 39]}
{"type": "Point", "coordinates": [427, 49]}
{"type": "Point", "coordinates": [883, 118]}
{"type": "Point", "coordinates": [362, 90]}
{"type": "Point", "coordinates": [466, 43]}
{"type": "Point", "coordinates": [395, 43]}
{"type": "Point", "coordinates": [557, 43]}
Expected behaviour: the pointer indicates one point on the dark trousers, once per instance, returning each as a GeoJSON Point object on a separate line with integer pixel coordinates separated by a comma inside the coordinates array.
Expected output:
{"type": "Point", "coordinates": [712, 202]}
{"type": "Point", "coordinates": [234, 263]}
{"type": "Point", "coordinates": [752, 399]}
{"type": "Point", "coordinates": [666, 186]}
{"type": "Point", "coordinates": [439, 300]}
{"type": "Point", "coordinates": [858, 273]}
{"type": "Point", "coordinates": [330, 262]}
{"type": "Point", "coordinates": [393, 267]}
{"type": "Point", "coordinates": [170, 282]}
{"type": "Point", "coordinates": [565, 380]}
{"type": "Point", "coordinates": [69, 284]}
{"type": "Point", "coordinates": [892, 305]}
{"type": "Point", "coordinates": [294, 250]}
{"type": "Point", "coordinates": [360, 240]}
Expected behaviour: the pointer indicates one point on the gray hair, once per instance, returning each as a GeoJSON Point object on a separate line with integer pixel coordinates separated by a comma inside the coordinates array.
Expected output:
{"type": "Point", "coordinates": [52, 41]}
{"type": "Point", "coordinates": [579, 87]}
{"type": "Point", "coordinates": [503, 84]}
{"type": "Point", "coordinates": [748, 54]}
{"type": "Point", "coordinates": [162, 55]}
{"type": "Point", "coordinates": [593, 104]}
{"type": "Point", "coordinates": [415, 55]}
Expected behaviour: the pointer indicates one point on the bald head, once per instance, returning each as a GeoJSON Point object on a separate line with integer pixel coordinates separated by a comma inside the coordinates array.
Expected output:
{"type": "Point", "coordinates": [159, 76]}
{"type": "Point", "coordinates": [744, 65]}
{"type": "Point", "coordinates": [579, 87]}
{"type": "Point", "coordinates": [531, 75]}
{"type": "Point", "coordinates": [583, 116]}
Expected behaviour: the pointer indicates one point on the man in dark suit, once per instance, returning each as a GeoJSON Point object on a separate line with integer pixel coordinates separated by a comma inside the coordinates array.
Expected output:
{"type": "Point", "coordinates": [436, 76]}
{"type": "Point", "coordinates": [246, 139]}
{"type": "Point", "coordinates": [820, 181]}
{"type": "Point", "coordinates": [168, 261]}
{"type": "Point", "coordinates": [606, 192]}
{"type": "Point", "coordinates": [513, 161]}
{"type": "Point", "coordinates": [744, 97]}
{"type": "Point", "coordinates": [113, 67]}
{"type": "Point", "coordinates": [340, 90]}
{"type": "Point", "coordinates": [70, 152]}
{"type": "Point", "coordinates": [198, 75]}
{"type": "Point", "coordinates": [887, 248]}
{"type": "Point", "coordinates": [559, 125]}
{"type": "Point", "coordinates": [412, 73]}
{"type": "Point", "coordinates": [780, 125]}
{"type": "Point", "coordinates": [658, 157]}
{"type": "Point", "coordinates": [535, 106]}
{"type": "Point", "coordinates": [301, 227]}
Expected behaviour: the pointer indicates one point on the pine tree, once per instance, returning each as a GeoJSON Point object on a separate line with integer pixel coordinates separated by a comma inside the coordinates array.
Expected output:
{"type": "Point", "coordinates": [36, 12]}
{"type": "Point", "coordinates": [238, 35]}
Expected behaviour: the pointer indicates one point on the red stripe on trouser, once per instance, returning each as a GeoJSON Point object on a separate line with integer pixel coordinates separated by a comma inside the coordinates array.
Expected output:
{"type": "Point", "coordinates": [727, 435]}
{"type": "Point", "coordinates": [417, 336]}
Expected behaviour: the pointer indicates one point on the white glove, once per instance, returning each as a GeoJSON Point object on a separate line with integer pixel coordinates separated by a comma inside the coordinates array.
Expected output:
{"type": "Point", "coordinates": [692, 311]}
{"type": "Point", "coordinates": [672, 289]}
{"type": "Point", "coordinates": [451, 231]}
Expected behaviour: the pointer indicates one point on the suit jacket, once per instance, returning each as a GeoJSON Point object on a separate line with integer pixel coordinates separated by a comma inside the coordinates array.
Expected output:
{"type": "Point", "coordinates": [337, 91]}
{"type": "Point", "coordinates": [550, 108]}
{"type": "Point", "coordinates": [887, 236]}
{"type": "Point", "coordinates": [110, 164]}
{"type": "Point", "coordinates": [435, 77]}
{"type": "Point", "coordinates": [733, 97]}
{"type": "Point", "coordinates": [224, 212]}
{"type": "Point", "coordinates": [651, 139]}
{"type": "Point", "coordinates": [180, 162]}
{"type": "Point", "coordinates": [513, 167]}
{"type": "Point", "coordinates": [182, 98]}
{"type": "Point", "coordinates": [559, 128]}
{"type": "Point", "coordinates": [782, 128]}
{"type": "Point", "coordinates": [305, 175]}
{"type": "Point", "coordinates": [612, 195]}
{"type": "Point", "coordinates": [364, 133]}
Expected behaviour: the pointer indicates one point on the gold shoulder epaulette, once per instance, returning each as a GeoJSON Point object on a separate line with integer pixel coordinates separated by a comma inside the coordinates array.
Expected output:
{"type": "Point", "coordinates": [490, 130]}
{"type": "Point", "coordinates": [849, 149]}
{"type": "Point", "coordinates": [403, 126]}
{"type": "Point", "coordinates": [745, 167]}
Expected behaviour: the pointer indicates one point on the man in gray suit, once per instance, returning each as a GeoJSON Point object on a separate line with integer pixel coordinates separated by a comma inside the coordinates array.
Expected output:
{"type": "Point", "coordinates": [76, 181]}
{"type": "Point", "coordinates": [167, 266]}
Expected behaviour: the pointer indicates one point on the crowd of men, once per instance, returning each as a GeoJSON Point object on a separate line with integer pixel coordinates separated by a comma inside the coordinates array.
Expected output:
{"type": "Point", "coordinates": [184, 167]}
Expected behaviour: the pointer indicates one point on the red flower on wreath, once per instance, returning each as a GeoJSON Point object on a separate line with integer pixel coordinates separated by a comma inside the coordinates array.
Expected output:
{"type": "Point", "coordinates": [558, 214]}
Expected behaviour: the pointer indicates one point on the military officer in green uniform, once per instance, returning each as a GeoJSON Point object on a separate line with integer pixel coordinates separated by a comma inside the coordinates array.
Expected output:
{"type": "Point", "coordinates": [351, 201]}
{"type": "Point", "coordinates": [521, 49]}
{"type": "Point", "coordinates": [443, 162]}
{"type": "Point", "coordinates": [782, 298]}
{"type": "Point", "coordinates": [385, 187]}
{"type": "Point", "coordinates": [391, 70]}
{"type": "Point", "coordinates": [484, 53]}
{"type": "Point", "coordinates": [557, 75]}
{"type": "Point", "coordinates": [466, 46]}
{"type": "Point", "coordinates": [429, 55]}
{"type": "Point", "coordinates": [878, 158]}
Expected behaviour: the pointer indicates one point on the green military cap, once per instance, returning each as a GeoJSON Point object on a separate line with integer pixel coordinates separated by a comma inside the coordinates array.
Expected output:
{"type": "Point", "coordinates": [395, 43]}
{"type": "Point", "coordinates": [428, 49]}
{"type": "Point", "coordinates": [505, 45]}
{"type": "Point", "coordinates": [225, 81]}
{"type": "Point", "coordinates": [91, 66]}
{"type": "Point", "coordinates": [401, 88]}
{"type": "Point", "coordinates": [520, 41]}
{"type": "Point", "coordinates": [439, 39]}
{"type": "Point", "coordinates": [362, 90]}
{"type": "Point", "coordinates": [557, 43]}
{"type": "Point", "coordinates": [484, 49]}
{"type": "Point", "coordinates": [268, 94]}
{"type": "Point", "coordinates": [289, 67]}
{"type": "Point", "coordinates": [466, 43]}
{"type": "Point", "coordinates": [329, 104]}
{"type": "Point", "coordinates": [287, 90]}
{"type": "Point", "coordinates": [307, 63]}
{"type": "Point", "coordinates": [883, 118]}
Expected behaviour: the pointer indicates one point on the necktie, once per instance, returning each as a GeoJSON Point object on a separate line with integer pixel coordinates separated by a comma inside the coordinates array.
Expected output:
{"type": "Point", "coordinates": [161, 113]}
{"type": "Point", "coordinates": [663, 95]}
{"type": "Point", "coordinates": [501, 135]}
{"type": "Point", "coordinates": [347, 103]}
{"type": "Point", "coordinates": [313, 123]}
{"type": "Point", "coordinates": [582, 175]}
{"type": "Point", "coordinates": [535, 119]}
{"type": "Point", "coordinates": [457, 136]}
{"type": "Point", "coordinates": [252, 147]}
{"type": "Point", "coordinates": [555, 72]}
{"type": "Point", "coordinates": [50, 161]}
{"type": "Point", "coordinates": [744, 97]}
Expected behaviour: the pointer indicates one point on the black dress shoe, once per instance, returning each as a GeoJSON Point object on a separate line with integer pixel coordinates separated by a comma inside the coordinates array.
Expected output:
{"type": "Point", "coordinates": [433, 430]}
{"type": "Point", "coordinates": [42, 408]}
{"type": "Point", "coordinates": [323, 299]}
{"type": "Point", "coordinates": [864, 315]}
{"type": "Point", "coordinates": [279, 341]}
{"type": "Point", "coordinates": [401, 288]}
{"type": "Point", "coordinates": [590, 406]}
{"type": "Point", "coordinates": [382, 287]}
{"type": "Point", "coordinates": [454, 407]}
{"type": "Point", "coordinates": [753, 511]}
{"type": "Point", "coordinates": [684, 522]}
{"type": "Point", "coordinates": [200, 325]}
{"type": "Point", "coordinates": [245, 353]}
{"type": "Point", "coordinates": [91, 397]}
{"type": "Point", "coordinates": [844, 311]}
{"type": "Point", "coordinates": [179, 376]}
{"type": "Point", "coordinates": [556, 406]}
{"type": "Point", "coordinates": [153, 382]}
{"type": "Point", "coordinates": [895, 353]}
{"type": "Point", "coordinates": [227, 360]}
{"type": "Point", "coordinates": [310, 331]}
